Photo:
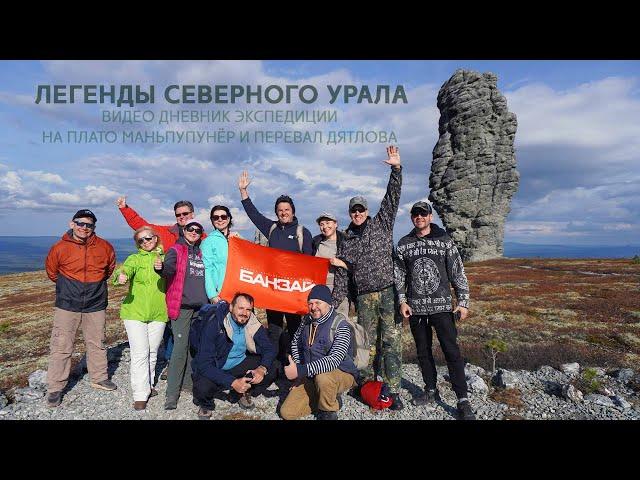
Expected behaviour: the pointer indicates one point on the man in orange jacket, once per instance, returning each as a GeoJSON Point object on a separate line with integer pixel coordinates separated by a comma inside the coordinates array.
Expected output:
{"type": "Point", "coordinates": [79, 264]}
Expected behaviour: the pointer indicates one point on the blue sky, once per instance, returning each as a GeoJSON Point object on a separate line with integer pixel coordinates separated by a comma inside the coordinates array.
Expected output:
{"type": "Point", "coordinates": [577, 146]}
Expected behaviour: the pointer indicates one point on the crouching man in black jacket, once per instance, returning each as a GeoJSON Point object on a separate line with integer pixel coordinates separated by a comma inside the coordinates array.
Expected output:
{"type": "Point", "coordinates": [235, 353]}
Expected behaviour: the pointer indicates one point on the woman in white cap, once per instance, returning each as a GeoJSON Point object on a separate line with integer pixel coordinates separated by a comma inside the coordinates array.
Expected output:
{"type": "Point", "coordinates": [326, 245]}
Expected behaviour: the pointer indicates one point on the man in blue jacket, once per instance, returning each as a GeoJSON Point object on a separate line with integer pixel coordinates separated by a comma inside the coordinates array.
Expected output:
{"type": "Point", "coordinates": [234, 353]}
{"type": "Point", "coordinates": [286, 234]}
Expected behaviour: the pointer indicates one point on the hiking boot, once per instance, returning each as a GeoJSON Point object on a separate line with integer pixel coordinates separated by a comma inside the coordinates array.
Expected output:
{"type": "Point", "coordinates": [339, 398]}
{"type": "Point", "coordinates": [465, 412]}
{"type": "Point", "coordinates": [397, 403]}
{"type": "Point", "coordinates": [139, 405]}
{"type": "Point", "coordinates": [165, 372]}
{"type": "Point", "coordinates": [104, 385]}
{"type": "Point", "coordinates": [246, 402]}
{"type": "Point", "coordinates": [54, 399]}
{"type": "Point", "coordinates": [154, 393]}
{"type": "Point", "coordinates": [322, 415]}
{"type": "Point", "coordinates": [204, 414]}
{"type": "Point", "coordinates": [429, 396]}
{"type": "Point", "coordinates": [170, 404]}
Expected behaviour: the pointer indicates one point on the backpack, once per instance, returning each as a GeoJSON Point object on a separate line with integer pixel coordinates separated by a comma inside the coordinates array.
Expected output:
{"type": "Point", "coordinates": [299, 234]}
{"type": "Point", "coordinates": [359, 345]}
{"type": "Point", "coordinates": [376, 394]}
{"type": "Point", "coordinates": [206, 314]}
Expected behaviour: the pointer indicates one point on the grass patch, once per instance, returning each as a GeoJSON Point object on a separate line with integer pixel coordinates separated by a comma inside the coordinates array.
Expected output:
{"type": "Point", "coordinates": [512, 397]}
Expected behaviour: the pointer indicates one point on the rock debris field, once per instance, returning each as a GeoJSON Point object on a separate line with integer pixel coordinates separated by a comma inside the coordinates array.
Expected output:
{"type": "Point", "coordinates": [546, 393]}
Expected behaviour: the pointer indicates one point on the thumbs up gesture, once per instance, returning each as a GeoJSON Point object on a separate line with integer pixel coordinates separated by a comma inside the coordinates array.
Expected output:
{"type": "Point", "coordinates": [122, 278]}
{"type": "Point", "coordinates": [291, 370]}
{"type": "Point", "coordinates": [157, 263]}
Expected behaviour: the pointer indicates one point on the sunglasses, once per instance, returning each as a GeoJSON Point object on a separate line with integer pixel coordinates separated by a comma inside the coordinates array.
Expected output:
{"type": "Point", "coordinates": [420, 213]}
{"type": "Point", "coordinates": [183, 214]}
{"type": "Point", "coordinates": [194, 229]}
{"type": "Point", "coordinates": [85, 224]}
{"type": "Point", "coordinates": [358, 210]}
{"type": "Point", "coordinates": [219, 217]}
{"type": "Point", "coordinates": [141, 240]}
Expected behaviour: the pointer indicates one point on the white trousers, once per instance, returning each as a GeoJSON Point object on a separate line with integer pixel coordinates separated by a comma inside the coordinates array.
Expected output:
{"type": "Point", "coordinates": [144, 341]}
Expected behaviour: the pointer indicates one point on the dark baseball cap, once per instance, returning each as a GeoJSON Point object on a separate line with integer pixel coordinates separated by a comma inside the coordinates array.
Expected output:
{"type": "Point", "coordinates": [359, 200]}
{"type": "Point", "coordinates": [421, 207]}
{"type": "Point", "coordinates": [84, 213]}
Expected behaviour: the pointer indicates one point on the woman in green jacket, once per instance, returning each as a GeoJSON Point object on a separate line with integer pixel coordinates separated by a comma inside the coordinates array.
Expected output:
{"type": "Point", "coordinates": [144, 312]}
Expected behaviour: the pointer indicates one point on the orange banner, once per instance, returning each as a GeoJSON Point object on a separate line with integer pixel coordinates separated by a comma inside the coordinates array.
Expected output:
{"type": "Point", "coordinates": [276, 279]}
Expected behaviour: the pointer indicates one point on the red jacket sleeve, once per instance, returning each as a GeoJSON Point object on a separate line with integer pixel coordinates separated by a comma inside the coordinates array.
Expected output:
{"type": "Point", "coordinates": [134, 220]}
{"type": "Point", "coordinates": [51, 264]}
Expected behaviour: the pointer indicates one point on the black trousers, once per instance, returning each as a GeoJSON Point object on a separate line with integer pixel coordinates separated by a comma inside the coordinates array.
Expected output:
{"type": "Point", "coordinates": [275, 317]}
{"type": "Point", "coordinates": [447, 333]}
{"type": "Point", "coordinates": [204, 390]}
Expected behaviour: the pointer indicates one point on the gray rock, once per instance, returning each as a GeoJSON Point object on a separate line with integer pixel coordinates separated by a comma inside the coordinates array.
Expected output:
{"type": "Point", "coordinates": [624, 375]}
{"type": "Point", "coordinates": [571, 393]}
{"type": "Point", "coordinates": [505, 378]}
{"type": "Point", "coordinates": [27, 394]}
{"type": "Point", "coordinates": [476, 384]}
{"type": "Point", "coordinates": [3, 401]}
{"type": "Point", "coordinates": [600, 372]}
{"type": "Point", "coordinates": [571, 369]}
{"type": "Point", "coordinates": [473, 172]}
{"type": "Point", "coordinates": [621, 402]}
{"type": "Point", "coordinates": [469, 368]}
{"type": "Point", "coordinates": [606, 391]}
{"type": "Point", "coordinates": [547, 370]}
{"type": "Point", "coordinates": [38, 380]}
{"type": "Point", "coordinates": [599, 400]}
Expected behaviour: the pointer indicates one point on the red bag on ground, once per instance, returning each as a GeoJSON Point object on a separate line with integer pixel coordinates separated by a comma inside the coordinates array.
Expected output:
{"type": "Point", "coordinates": [376, 395]}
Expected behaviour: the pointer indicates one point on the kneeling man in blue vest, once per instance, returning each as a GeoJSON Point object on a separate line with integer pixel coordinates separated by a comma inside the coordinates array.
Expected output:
{"type": "Point", "coordinates": [321, 363]}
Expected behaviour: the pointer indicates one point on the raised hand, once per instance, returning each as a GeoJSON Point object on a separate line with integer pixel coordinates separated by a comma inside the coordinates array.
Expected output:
{"type": "Point", "coordinates": [243, 183]}
{"type": "Point", "coordinates": [121, 202]}
{"type": "Point", "coordinates": [393, 156]}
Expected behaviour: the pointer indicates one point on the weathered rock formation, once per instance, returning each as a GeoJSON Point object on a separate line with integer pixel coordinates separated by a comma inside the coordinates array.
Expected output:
{"type": "Point", "coordinates": [473, 174]}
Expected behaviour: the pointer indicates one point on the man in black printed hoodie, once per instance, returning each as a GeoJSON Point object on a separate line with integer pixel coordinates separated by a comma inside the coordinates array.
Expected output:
{"type": "Point", "coordinates": [426, 265]}
{"type": "Point", "coordinates": [367, 249]}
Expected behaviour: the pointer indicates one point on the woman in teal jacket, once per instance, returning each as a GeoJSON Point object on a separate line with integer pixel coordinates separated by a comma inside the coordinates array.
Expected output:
{"type": "Point", "coordinates": [144, 312]}
{"type": "Point", "coordinates": [215, 249]}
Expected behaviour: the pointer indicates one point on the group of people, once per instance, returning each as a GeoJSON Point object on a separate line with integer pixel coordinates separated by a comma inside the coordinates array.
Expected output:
{"type": "Point", "coordinates": [177, 275]}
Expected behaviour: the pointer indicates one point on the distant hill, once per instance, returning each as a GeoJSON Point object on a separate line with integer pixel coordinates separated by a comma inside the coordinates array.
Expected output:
{"type": "Point", "coordinates": [27, 254]}
{"type": "Point", "coordinates": [525, 250]}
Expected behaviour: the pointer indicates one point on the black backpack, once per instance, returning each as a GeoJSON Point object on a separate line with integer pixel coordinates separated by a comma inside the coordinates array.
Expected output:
{"type": "Point", "coordinates": [206, 314]}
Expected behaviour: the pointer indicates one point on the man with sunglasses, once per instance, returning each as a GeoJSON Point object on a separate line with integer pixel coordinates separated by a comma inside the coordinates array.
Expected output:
{"type": "Point", "coordinates": [426, 265]}
{"type": "Point", "coordinates": [169, 234]}
{"type": "Point", "coordinates": [79, 264]}
{"type": "Point", "coordinates": [367, 250]}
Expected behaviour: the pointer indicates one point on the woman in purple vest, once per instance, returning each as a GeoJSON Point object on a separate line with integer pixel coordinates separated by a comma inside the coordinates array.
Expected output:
{"type": "Point", "coordinates": [184, 270]}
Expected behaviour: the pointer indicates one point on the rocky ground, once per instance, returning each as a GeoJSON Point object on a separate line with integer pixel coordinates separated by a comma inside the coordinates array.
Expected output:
{"type": "Point", "coordinates": [546, 393]}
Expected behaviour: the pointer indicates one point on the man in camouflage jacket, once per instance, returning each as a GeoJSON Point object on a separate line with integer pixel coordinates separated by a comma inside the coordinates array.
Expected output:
{"type": "Point", "coordinates": [367, 250]}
